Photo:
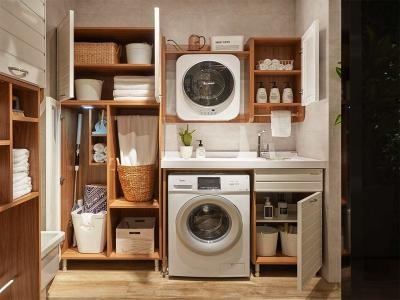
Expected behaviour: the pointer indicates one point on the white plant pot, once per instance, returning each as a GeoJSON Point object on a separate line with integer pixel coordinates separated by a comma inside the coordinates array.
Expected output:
{"type": "Point", "coordinates": [186, 151]}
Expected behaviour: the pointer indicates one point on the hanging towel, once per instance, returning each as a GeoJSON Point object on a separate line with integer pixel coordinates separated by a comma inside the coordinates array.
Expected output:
{"type": "Point", "coordinates": [133, 93]}
{"type": "Point", "coordinates": [281, 123]}
{"type": "Point", "coordinates": [135, 98]}
{"type": "Point", "coordinates": [133, 86]}
{"type": "Point", "coordinates": [137, 136]}
{"type": "Point", "coordinates": [134, 79]}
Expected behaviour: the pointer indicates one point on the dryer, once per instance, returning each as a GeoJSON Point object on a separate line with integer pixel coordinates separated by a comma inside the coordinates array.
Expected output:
{"type": "Point", "coordinates": [209, 225]}
{"type": "Point", "coordinates": [207, 87]}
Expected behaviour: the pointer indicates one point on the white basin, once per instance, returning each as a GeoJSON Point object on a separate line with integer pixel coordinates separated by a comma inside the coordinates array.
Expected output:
{"type": "Point", "coordinates": [50, 255]}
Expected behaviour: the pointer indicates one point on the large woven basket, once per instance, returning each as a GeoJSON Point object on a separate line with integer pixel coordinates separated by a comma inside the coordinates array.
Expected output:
{"type": "Point", "coordinates": [97, 53]}
{"type": "Point", "coordinates": [136, 182]}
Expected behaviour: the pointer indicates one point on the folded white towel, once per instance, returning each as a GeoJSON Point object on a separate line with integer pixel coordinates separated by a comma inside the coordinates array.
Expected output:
{"type": "Point", "coordinates": [22, 168]}
{"type": "Point", "coordinates": [133, 86]}
{"type": "Point", "coordinates": [24, 181]}
{"type": "Point", "coordinates": [133, 93]}
{"type": "Point", "coordinates": [134, 79]}
{"type": "Point", "coordinates": [144, 98]}
{"type": "Point", "coordinates": [20, 163]}
{"type": "Point", "coordinates": [21, 193]}
{"type": "Point", "coordinates": [19, 152]}
{"type": "Point", "coordinates": [281, 123]}
{"type": "Point", "coordinates": [21, 187]}
{"type": "Point", "coordinates": [19, 176]}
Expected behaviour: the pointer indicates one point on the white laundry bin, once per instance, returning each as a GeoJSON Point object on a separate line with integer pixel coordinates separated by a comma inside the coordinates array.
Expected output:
{"type": "Point", "coordinates": [138, 53]}
{"type": "Point", "coordinates": [90, 231]}
{"type": "Point", "coordinates": [88, 89]}
{"type": "Point", "coordinates": [267, 239]}
{"type": "Point", "coordinates": [289, 243]}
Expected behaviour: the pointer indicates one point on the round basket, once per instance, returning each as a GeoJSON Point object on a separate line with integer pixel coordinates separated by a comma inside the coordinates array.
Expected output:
{"type": "Point", "coordinates": [137, 182]}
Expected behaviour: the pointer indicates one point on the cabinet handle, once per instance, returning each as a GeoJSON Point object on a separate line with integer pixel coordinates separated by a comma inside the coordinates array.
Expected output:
{"type": "Point", "coordinates": [15, 69]}
{"type": "Point", "coordinates": [6, 286]}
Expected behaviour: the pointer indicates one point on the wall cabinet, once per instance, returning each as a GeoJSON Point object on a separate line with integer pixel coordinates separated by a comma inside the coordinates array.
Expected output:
{"type": "Point", "coordinates": [23, 40]}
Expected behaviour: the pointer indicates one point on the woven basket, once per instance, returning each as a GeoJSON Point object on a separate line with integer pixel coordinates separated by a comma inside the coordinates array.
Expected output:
{"type": "Point", "coordinates": [97, 53]}
{"type": "Point", "coordinates": [137, 182]}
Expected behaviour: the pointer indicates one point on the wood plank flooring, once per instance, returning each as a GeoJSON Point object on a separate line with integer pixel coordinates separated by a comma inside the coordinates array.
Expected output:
{"type": "Point", "coordinates": [147, 284]}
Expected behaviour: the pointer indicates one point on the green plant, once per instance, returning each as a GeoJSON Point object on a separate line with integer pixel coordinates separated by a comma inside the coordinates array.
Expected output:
{"type": "Point", "coordinates": [186, 136]}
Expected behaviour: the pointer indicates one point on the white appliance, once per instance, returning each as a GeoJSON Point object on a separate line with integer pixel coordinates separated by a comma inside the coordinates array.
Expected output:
{"type": "Point", "coordinates": [207, 87]}
{"type": "Point", "coordinates": [209, 225]}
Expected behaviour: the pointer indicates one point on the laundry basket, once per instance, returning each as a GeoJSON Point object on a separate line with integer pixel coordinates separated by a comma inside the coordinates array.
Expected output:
{"type": "Point", "coordinates": [289, 243]}
{"type": "Point", "coordinates": [136, 182]}
{"type": "Point", "coordinates": [267, 238]}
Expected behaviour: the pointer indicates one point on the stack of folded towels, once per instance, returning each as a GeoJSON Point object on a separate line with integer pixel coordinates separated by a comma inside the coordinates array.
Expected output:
{"type": "Point", "coordinates": [139, 88]}
{"type": "Point", "coordinates": [100, 153]}
{"type": "Point", "coordinates": [22, 183]}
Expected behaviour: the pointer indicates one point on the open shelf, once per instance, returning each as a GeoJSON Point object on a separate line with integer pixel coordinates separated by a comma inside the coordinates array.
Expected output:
{"type": "Point", "coordinates": [269, 105]}
{"type": "Point", "coordinates": [277, 72]}
{"type": "Point", "coordinates": [17, 118]}
{"type": "Point", "coordinates": [121, 203]}
{"type": "Point", "coordinates": [73, 254]}
{"type": "Point", "coordinates": [292, 218]}
{"type": "Point", "coordinates": [5, 142]}
{"type": "Point", "coordinates": [19, 201]}
{"type": "Point", "coordinates": [171, 53]}
{"type": "Point", "coordinates": [278, 259]}
{"type": "Point", "coordinates": [104, 103]}
{"type": "Point", "coordinates": [115, 69]}
{"type": "Point", "coordinates": [151, 256]}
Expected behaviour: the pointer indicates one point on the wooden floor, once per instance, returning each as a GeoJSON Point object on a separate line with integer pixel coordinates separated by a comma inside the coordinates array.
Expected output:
{"type": "Point", "coordinates": [146, 284]}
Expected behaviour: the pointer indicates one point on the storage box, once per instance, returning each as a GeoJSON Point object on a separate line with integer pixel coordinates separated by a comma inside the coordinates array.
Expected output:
{"type": "Point", "coordinates": [97, 53]}
{"type": "Point", "coordinates": [135, 236]}
{"type": "Point", "coordinates": [227, 43]}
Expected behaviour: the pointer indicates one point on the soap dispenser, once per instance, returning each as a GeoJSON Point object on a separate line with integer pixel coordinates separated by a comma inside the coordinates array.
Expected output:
{"type": "Point", "coordinates": [261, 96]}
{"type": "Point", "coordinates": [268, 209]}
{"type": "Point", "coordinates": [200, 151]}
{"type": "Point", "coordinates": [287, 95]}
{"type": "Point", "coordinates": [274, 95]}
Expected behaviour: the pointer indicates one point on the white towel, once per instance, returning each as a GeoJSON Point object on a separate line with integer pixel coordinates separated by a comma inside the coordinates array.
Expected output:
{"type": "Point", "coordinates": [99, 147]}
{"type": "Point", "coordinates": [133, 93]}
{"type": "Point", "coordinates": [137, 136]}
{"type": "Point", "coordinates": [19, 176]}
{"type": "Point", "coordinates": [281, 123]}
{"type": "Point", "coordinates": [24, 181]}
{"type": "Point", "coordinates": [20, 152]}
{"type": "Point", "coordinates": [21, 193]}
{"type": "Point", "coordinates": [20, 163]}
{"type": "Point", "coordinates": [133, 86]}
{"type": "Point", "coordinates": [99, 157]}
{"type": "Point", "coordinates": [21, 188]}
{"type": "Point", "coordinates": [134, 79]}
{"type": "Point", "coordinates": [22, 168]}
{"type": "Point", "coordinates": [136, 98]}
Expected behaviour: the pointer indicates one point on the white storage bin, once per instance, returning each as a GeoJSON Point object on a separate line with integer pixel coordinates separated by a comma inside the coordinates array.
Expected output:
{"type": "Point", "coordinates": [289, 243]}
{"type": "Point", "coordinates": [90, 231]}
{"type": "Point", "coordinates": [138, 53]}
{"type": "Point", "coordinates": [267, 239]}
{"type": "Point", "coordinates": [135, 236]}
{"type": "Point", "coordinates": [88, 89]}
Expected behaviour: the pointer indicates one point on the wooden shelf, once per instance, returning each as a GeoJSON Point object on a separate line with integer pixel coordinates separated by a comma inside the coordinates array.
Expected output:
{"type": "Point", "coordinates": [19, 201]}
{"type": "Point", "coordinates": [269, 105]}
{"type": "Point", "coordinates": [121, 203]}
{"type": "Point", "coordinates": [119, 35]}
{"type": "Point", "coordinates": [151, 256]}
{"type": "Point", "coordinates": [104, 103]}
{"type": "Point", "coordinates": [176, 119]}
{"type": "Point", "coordinates": [73, 254]}
{"type": "Point", "coordinates": [292, 218]}
{"type": "Point", "coordinates": [115, 69]}
{"type": "Point", "coordinates": [5, 142]}
{"type": "Point", "coordinates": [279, 259]}
{"type": "Point", "coordinates": [171, 53]}
{"type": "Point", "coordinates": [277, 72]}
{"type": "Point", "coordinates": [98, 134]}
{"type": "Point", "coordinates": [97, 164]}
{"type": "Point", "coordinates": [17, 118]}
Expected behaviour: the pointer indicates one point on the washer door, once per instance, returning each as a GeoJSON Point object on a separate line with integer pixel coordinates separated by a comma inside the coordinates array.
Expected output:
{"type": "Point", "coordinates": [208, 83]}
{"type": "Point", "coordinates": [209, 224]}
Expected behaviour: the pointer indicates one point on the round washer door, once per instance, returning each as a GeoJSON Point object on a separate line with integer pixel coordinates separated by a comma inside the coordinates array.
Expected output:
{"type": "Point", "coordinates": [209, 224]}
{"type": "Point", "coordinates": [208, 83]}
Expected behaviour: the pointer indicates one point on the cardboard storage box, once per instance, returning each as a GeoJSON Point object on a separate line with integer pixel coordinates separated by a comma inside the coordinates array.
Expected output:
{"type": "Point", "coordinates": [135, 236]}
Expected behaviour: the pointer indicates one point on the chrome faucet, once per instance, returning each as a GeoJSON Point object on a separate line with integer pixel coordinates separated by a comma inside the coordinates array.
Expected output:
{"type": "Point", "coordinates": [259, 134]}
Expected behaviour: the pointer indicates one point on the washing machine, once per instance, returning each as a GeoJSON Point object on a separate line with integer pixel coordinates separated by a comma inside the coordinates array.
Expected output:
{"type": "Point", "coordinates": [207, 87]}
{"type": "Point", "coordinates": [209, 225]}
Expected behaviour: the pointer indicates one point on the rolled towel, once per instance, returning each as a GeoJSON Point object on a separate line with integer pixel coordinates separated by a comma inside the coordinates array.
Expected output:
{"type": "Point", "coordinates": [24, 168]}
{"type": "Point", "coordinates": [267, 61]}
{"type": "Point", "coordinates": [275, 62]}
{"type": "Point", "coordinates": [21, 193]}
{"type": "Point", "coordinates": [133, 86]}
{"type": "Point", "coordinates": [135, 98]}
{"type": "Point", "coordinates": [19, 176]}
{"type": "Point", "coordinates": [133, 93]}
{"type": "Point", "coordinates": [99, 157]}
{"type": "Point", "coordinates": [99, 147]}
{"type": "Point", "coordinates": [134, 79]}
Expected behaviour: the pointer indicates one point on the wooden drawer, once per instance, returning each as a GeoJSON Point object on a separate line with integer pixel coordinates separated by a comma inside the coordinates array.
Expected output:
{"type": "Point", "coordinates": [288, 186]}
{"type": "Point", "coordinates": [288, 175]}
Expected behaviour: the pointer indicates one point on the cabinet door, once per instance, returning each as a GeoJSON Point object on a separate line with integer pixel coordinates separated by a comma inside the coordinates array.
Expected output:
{"type": "Point", "coordinates": [65, 58]}
{"type": "Point", "coordinates": [157, 54]}
{"type": "Point", "coordinates": [309, 238]}
{"type": "Point", "coordinates": [310, 64]}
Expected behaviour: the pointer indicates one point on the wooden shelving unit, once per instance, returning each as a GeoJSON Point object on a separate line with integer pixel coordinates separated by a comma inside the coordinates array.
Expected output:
{"type": "Point", "coordinates": [106, 173]}
{"type": "Point", "coordinates": [172, 53]}
{"type": "Point", "coordinates": [20, 217]}
{"type": "Point", "coordinates": [279, 259]}
{"type": "Point", "coordinates": [275, 48]}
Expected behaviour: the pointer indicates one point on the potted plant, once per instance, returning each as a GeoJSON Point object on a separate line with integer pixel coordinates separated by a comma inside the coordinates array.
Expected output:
{"type": "Point", "coordinates": [186, 138]}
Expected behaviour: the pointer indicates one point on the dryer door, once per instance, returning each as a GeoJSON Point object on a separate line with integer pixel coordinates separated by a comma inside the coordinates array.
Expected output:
{"type": "Point", "coordinates": [209, 224]}
{"type": "Point", "coordinates": [208, 83]}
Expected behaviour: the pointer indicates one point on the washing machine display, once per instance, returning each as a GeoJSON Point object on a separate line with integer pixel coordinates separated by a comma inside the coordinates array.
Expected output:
{"type": "Point", "coordinates": [207, 87]}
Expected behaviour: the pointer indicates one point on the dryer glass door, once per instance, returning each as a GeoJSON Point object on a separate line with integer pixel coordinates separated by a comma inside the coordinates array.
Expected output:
{"type": "Point", "coordinates": [208, 83]}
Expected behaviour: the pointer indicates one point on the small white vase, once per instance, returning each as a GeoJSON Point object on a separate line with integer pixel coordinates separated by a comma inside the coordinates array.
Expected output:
{"type": "Point", "coordinates": [186, 151]}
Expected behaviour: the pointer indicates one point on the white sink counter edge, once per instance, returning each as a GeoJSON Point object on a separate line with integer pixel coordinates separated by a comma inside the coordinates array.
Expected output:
{"type": "Point", "coordinates": [239, 160]}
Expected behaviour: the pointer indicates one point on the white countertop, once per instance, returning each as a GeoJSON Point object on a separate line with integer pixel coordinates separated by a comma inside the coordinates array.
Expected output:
{"type": "Point", "coordinates": [240, 160]}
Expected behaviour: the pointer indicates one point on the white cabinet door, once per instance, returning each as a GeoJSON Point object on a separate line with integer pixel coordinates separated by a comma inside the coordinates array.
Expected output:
{"type": "Point", "coordinates": [65, 58]}
{"type": "Point", "coordinates": [309, 238]}
{"type": "Point", "coordinates": [157, 54]}
{"type": "Point", "coordinates": [310, 65]}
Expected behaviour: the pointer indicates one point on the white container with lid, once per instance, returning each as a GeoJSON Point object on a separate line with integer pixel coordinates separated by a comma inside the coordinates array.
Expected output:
{"type": "Point", "coordinates": [88, 89]}
{"type": "Point", "coordinates": [138, 53]}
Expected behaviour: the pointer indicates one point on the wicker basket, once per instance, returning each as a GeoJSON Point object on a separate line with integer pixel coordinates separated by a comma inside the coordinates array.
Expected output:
{"type": "Point", "coordinates": [97, 53]}
{"type": "Point", "coordinates": [136, 182]}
